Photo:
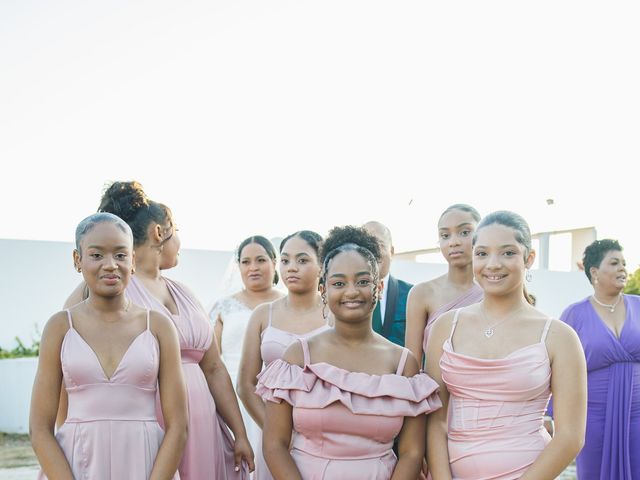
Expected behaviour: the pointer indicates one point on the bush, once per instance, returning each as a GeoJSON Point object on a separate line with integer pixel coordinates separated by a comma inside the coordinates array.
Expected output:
{"type": "Point", "coordinates": [633, 283]}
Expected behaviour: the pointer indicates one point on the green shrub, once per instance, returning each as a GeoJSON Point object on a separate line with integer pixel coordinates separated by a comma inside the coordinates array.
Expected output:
{"type": "Point", "coordinates": [633, 283]}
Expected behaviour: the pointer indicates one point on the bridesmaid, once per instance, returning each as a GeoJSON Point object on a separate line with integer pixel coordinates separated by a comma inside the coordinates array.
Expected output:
{"type": "Point", "coordinates": [497, 363]}
{"type": "Point", "coordinates": [109, 355]}
{"type": "Point", "coordinates": [210, 450]}
{"type": "Point", "coordinates": [346, 392]}
{"type": "Point", "coordinates": [274, 326]}
{"type": "Point", "coordinates": [256, 259]}
{"type": "Point", "coordinates": [455, 289]}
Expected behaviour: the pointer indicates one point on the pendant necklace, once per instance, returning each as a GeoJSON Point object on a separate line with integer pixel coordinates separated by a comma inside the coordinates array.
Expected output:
{"type": "Point", "coordinates": [489, 331]}
{"type": "Point", "coordinates": [611, 307]}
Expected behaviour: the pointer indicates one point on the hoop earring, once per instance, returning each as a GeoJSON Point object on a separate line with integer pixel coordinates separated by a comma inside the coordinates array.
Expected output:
{"type": "Point", "coordinates": [528, 276]}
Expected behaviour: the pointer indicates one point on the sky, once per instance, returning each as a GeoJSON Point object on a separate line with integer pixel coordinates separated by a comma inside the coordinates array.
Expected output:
{"type": "Point", "coordinates": [250, 117]}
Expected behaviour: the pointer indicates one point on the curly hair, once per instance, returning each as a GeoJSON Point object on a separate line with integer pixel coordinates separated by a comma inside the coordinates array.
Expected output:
{"type": "Point", "coordinates": [595, 253]}
{"type": "Point", "coordinates": [128, 201]}
{"type": "Point", "coordinates": [350, 238]}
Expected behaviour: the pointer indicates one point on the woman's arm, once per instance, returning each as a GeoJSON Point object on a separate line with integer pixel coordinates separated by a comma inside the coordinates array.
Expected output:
{"type": "Point", "coordinates": [218, 325]}
{"type": "Point", "coordinates": [416, 321]}
{"type": "Point", "coordinates": [251, 364]}
{"type": "Point", "coordinates": [226, 401]}
{"type": "Point", "coordinates": [173, 398]}
{"type": "Point", "coordinates": [569, 387]}
{"type": "Point", "coordinates": [44, 400]}
{"type": "Point", "coordinates": [411, 439]}
{"type": "Point", "coordinates": [437, 444]}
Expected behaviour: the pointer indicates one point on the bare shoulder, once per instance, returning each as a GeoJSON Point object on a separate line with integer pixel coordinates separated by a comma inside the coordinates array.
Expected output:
{"type": "Point", "coordinates": [160, 324]}
{"type": "Point", "coordinates": [260, 316]}
{"type": "Point", "coordinates": [411, 367]}
{"type": "Point", "coordinates": [423, 289]}
{"type": "Point", "coordinates": [57, 325]}
{"type": "Point", "coordinates": [561, 335]}
{"type": "Point", "coordinates": [443, 324]}
{"type": "Point", "coordinates": [294, 354]}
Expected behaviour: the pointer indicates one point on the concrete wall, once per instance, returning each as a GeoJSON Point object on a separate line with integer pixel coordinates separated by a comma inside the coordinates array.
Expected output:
{"type": "Point", "coordinates": [38, 277]}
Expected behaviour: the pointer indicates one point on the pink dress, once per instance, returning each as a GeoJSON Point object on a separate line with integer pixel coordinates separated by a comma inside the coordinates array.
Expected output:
{"type": "Point", "coordinates": [274, 342]}
{"type": "Point", "coordinates": [111, 431]}
{"type": "Point", "coordinates": [209, 449]}
{"type": "Point", "coordinates": [345, 422]}
{"type": "Point", "coordinates": [495, 410]}
{"type": "Point", "coordinates": [471, 296]}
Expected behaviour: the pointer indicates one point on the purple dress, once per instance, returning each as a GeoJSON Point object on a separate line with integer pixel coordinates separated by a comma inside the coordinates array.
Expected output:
{"type": "Point", "coordinates": [612, 444]}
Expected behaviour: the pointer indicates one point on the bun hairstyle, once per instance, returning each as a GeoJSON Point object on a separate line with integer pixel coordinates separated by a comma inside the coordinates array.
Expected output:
{"type": "Point", "coordinates": [595, 253]}
{"type": "Point", "coordinates": [264, 243]}
{"type": "Point", "coordinates": [463, 207]}
{"type": "Point", "coordinates": [520, 229]}
{"type": "Point", "coordinates": [87, 224]}
{"type": "Point", "coordinates": [313, 239]}
{"type": "Point", "coordinates": [128, 201]}
{"type": "Point", "coordinates": [350, 238]}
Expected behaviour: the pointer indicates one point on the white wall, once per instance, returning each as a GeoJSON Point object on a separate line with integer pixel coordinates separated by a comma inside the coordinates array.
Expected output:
{"type": "Point", "coordinates": [38, 277]}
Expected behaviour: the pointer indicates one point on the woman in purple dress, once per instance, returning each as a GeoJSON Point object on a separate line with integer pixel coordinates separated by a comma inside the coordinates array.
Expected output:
{"type": "Point", "coordinates": [608, 324]}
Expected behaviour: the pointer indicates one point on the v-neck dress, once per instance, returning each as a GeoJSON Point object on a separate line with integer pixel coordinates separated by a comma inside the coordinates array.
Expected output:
{"type": "Point", "coordinates": [111, 431]}
{"type": "Point", "coordinates": [612, 442]}
{"type": "Point", "coordinates": [208, 452]}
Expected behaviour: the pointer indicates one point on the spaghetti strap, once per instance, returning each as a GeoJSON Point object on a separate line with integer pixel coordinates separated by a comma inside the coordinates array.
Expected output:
{"type": "Point", "coordinates": [403, 361]}
{"type": "Point", "coordinates": [305, 351]}
{"type": "Point", "coordinates": [69, 317]}
{"type": "Point", "coordinates": [270, 313]}
{"type": "Point", "coordinates": [148, 314]}
{"type": "Point", "coordinates": [545, 330]}
{"type": "Point", "coordinates": [455, 322]}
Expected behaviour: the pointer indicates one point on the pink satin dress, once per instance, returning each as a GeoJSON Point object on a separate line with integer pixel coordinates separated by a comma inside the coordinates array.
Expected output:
{"type": "Point", "coordinates": [111, 431]}
{"type": "Point", "coordinates": [345, 422]}
{"type": "Point", "coordinates": [496, 409]}
{"type": "Point", "coordinates": [208, 452]}
{"type": "Point", "coordinates": [274, 342]}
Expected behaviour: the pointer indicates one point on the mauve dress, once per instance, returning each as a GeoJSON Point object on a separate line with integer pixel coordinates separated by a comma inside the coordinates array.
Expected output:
{"type": "Point", "coordinates": [471, 296]}
{"type": "Point", "coordinates": [345, 422]}
{"type": "Point", "coordinates": [496, 409]}
{"type": "Point", "coordinates": [111, 431]}
{"type": "Point", "coordinates": [612, 443]}
{"type": "Point", "coordinates": [274, 342]}
{"type": "Point", "coordinates": [208, 452]}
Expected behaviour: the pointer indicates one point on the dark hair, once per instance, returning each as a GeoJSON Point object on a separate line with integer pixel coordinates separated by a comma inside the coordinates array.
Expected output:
{"type": "Point", "coordinates": [128, 201]}
{"type": "Point", "coordinates": [264, 243]}
{"type": "Point", "coordinates": [350, 238]}
{"type": "Point", "coordinates": [520, 228]}
{"type": "Point", "coordinates": [87, 224]}
{"type": "Point", "coordinates": [595, 253]}
{"type": "Point", "coordinates": [463, 207]}
{"type": "Point", "coordinates": [313, 239]}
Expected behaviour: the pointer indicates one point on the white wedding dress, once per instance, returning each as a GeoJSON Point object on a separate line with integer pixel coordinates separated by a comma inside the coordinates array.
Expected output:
{"type": "Point", "coordinates": [235, 318]}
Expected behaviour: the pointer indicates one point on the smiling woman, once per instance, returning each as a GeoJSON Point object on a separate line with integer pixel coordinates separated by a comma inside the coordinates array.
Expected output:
{"type": "Point", "coordinates": [350, 390]}
{"type": "Point", "coordinates": [503, 356]}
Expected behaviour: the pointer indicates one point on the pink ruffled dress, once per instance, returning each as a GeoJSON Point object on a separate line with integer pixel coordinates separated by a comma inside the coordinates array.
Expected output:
{"type": "Point", "coordinates": [495, 410]}
{"type": "Point", "coordinates": [111, 431]}
{"type": "Point", "coordinates": [345, 422]}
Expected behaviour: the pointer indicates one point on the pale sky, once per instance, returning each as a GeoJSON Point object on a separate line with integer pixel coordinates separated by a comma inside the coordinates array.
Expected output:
{"type": "Point", "coordinates": [272, 116]}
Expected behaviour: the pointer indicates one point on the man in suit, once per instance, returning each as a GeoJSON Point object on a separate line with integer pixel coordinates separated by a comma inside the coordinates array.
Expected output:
{"type": "Point", "coordinates": [390, 314]}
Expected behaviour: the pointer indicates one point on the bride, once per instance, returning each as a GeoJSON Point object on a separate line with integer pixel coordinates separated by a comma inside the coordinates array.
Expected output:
{"type": "Point", "coordinates": [256, 259]}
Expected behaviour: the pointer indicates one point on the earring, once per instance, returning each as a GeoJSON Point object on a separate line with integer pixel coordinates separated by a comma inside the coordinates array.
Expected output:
{"type": "Point", "coordinates": [528, 275]}
{"type": "Point", "coordinates": [79, 269]}
{"type": "Point", "coordinates": [324, 306]}
{"type": "Point", "coordinates": [133, 270]}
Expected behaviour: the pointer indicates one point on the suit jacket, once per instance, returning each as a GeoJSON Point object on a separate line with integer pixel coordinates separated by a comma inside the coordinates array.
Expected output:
{"type": "Point", "coordinates": [395, 314]}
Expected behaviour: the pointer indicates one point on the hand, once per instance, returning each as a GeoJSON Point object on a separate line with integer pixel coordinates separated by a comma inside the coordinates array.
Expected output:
{"type": "Point", "coordinates": [243, 452]}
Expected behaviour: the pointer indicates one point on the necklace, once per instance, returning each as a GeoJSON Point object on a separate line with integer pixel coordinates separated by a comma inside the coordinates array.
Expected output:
{"type": "Point", "coordinates": [612, 307]}
{"type": "Point", "coordinates": [489, 331]}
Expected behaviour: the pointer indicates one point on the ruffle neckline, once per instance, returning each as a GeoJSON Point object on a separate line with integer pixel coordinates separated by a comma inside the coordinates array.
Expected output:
{"type": "Point", "coordinates": [318, 385]}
